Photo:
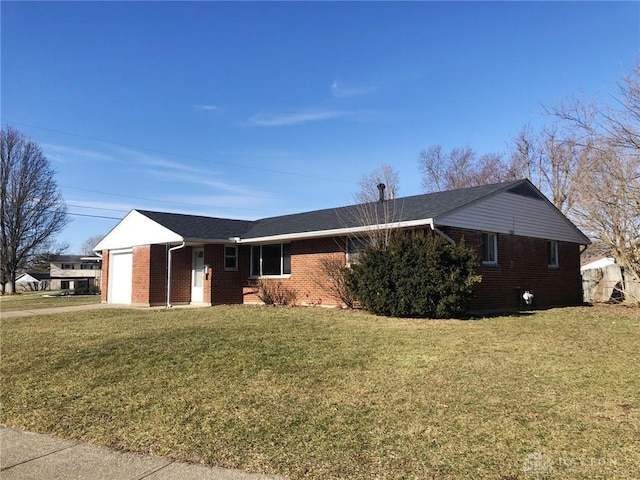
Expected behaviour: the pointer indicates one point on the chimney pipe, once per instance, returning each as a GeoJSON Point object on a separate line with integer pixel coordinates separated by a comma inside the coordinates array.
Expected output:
{"type": "Point", "coordinates": [381, 187]}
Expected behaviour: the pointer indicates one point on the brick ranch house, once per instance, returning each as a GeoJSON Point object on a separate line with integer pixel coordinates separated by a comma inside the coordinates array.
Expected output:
{"type": "Point", "coordinates": [522, 240]}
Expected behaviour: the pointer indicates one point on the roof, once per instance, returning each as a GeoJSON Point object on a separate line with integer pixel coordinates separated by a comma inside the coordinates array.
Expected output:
{"type": "Point", "coordinates": [72, 258]}
{"type": "Point", "coordinates": [405, 209]}
{"type": "Point", "coordinates": [36, 275]}
{"type": "Point", "coordinates": [598, 263]}
{"type": "Point", "coordinates": [142, 227]}
{"type": "Point", "coordinates": [199, 227]}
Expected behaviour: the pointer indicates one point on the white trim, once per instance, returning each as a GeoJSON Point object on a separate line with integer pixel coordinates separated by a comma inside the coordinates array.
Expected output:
{"type": "Point", "coordinates": [136, 229]}
{"type": "Point", "coordinates": [335, 232]}
{"type": "Point", "coordinates": [556, 254]}
{"type": "Point", "coordinates": [225, 256]}
{"type": "Point", "coordinates": [495, 249]}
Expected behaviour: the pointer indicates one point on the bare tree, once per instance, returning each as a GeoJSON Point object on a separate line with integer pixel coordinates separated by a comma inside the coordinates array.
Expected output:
{"type": "Point", "coordinates": [368, 185]}
{"type": "Point", "coordinates": [33, 211]}
{"type": "Point", "coordinates": [376, 208]}
{"type": "Point", "coordinates": [89, 243]}
{"type": "Point", "coordinates": [552, 161]}
{"type": "Point", "coordinates": [609, 177]}
{"type": "Point", "coordinates": [460, 168]}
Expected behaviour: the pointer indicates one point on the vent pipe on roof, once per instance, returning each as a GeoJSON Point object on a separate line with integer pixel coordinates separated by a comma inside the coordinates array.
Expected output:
{"type": "Point", "coordinates": [381, 187]}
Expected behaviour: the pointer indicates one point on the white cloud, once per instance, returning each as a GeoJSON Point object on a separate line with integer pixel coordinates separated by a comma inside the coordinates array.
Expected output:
{"type": "Point", "coordinates": [62, 153]}
{"type": "Point", "coordinates": [208, 179]}
{"type": "Point", "coordinates": [292, 119]}
{"type": "Point", "coordinates": [207, 107]}
{"type": "Point", "coordinates": [145, 159]}
{"type": "Point", "coordinates": [340, 90]}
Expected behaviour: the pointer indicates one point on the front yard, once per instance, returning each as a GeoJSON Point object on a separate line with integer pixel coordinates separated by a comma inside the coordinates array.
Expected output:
{"type": "Point", "coordinates": [324, 394]}
{"type": "Point", "coordinates": [43, 299]}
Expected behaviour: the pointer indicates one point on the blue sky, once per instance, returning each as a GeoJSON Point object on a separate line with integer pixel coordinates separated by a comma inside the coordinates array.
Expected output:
{"type": "Point", "coordinates": [254, 109]}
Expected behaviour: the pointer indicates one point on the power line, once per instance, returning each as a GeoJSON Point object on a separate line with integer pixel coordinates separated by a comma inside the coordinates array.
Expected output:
{"type": "Point", "coordinates": [93, 216]}
{"type": "Point", "coordinates": [172, 202]}
{"type": "Point", "coordinates": [97, 208]}
{"type": "Point", "coordinates": [200, 159]}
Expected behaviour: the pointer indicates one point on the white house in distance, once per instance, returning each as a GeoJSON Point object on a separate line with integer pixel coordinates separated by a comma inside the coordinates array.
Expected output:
{"type": "Point", "coordinates": [75, 272]}
{"type": "Point", "coordinates": [33, 281]}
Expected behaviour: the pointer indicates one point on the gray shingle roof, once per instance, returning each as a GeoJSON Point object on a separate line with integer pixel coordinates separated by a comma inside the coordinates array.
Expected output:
{"type": "Point", "coordinates": [406, 209]}
{"type": "Point", "coordinates": [199, 227]}
{"type": "Point", "coordinates": [417, 207]}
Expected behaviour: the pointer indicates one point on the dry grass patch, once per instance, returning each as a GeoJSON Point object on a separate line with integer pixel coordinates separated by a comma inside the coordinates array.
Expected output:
{"type": "Point", "coordinates": [37, 300]}
{"type": "Point", "coordinates": [313, 393]}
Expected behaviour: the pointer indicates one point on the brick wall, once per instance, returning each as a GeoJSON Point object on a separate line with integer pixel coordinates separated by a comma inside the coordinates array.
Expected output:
{"type": "Point", "coordinates": [140, 275]}
{"type": "Point", "coordinates": [221, 286]}
{"type": "Point", "coordinates": [104, 286]}
{"type": "Point", "coordinates": [181, 262]}
{"type": "Point", "coordinates": [522, 265]}
{"type": "Point", "coordinates": [306, 278]}
{"type": "Point", "coordinates": [158, 275]}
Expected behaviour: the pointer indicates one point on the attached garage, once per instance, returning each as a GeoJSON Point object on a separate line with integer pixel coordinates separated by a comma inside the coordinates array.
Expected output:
{"type": "Point", "coordinates": [120, 276]}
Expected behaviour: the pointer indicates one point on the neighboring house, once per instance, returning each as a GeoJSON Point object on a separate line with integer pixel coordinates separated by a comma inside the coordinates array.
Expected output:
{"type": "Point", "coordinates": [523, 243]}
{"type": "Point", "coordinates": [75, 272]}
{"type": "Point", "coordinates": [33, 281]}
{"type": "Point", "coordinates": [601, 262]}
{"type": "Point", "coordinates": [604, 280]}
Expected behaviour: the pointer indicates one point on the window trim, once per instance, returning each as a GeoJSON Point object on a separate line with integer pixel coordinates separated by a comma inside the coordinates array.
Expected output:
{"type": "Point", "coordinates": [259, 274]}
{"type": "Point", "coordinates": [354, 248]}
{"type": "Point", "coordinates": [234, 256]}
{"type": "Point", "coordinates": [553, 259]}
{"type": "Point", "coordinates": [489, 261]}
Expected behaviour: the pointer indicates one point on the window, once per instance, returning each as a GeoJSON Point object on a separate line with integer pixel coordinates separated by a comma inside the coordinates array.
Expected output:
{"type": "Point", "coordinates": [355, 246]}
{"type": "Point", "coordinates": [88, 266]}
{"type": "Point", "coordinates": [67, 266]}
{"type": "Point", "coordinates": [271, 260]}
{"type": "Point", "coordinates": [64, 284]}
{"type": "Point", "coordinates": [552, 253]}
{"type": "Point", "coordinates": [231, 258]}
{"type": "Point", "coordinates": [489, 248]}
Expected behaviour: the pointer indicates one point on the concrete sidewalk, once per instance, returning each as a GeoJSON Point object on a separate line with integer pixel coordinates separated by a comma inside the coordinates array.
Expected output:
{"type": "Point", "coordinates": [48, 310]}
{"type": "Point", "coordinates": [31, 456]}
{"type": "Point", "coordinates": [90, 306]}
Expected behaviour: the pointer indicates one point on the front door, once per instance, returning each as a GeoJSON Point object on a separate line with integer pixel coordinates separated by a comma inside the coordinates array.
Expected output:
{"type": "Point", "coordinates": [197, 275]}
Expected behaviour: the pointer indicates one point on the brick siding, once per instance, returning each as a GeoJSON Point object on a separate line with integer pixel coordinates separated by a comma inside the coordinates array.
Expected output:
{"type": "Point", "coordinates": [104, 287]}
{"type": "Point", "coordinates": [522, 265]}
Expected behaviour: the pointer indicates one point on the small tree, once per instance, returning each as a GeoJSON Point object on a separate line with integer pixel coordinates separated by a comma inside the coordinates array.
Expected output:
{"type": "Point", "coordinates": [334, 280]}
{"type": "Point", "coordinates": [33, 211]}
{"type": "Point", "coordinates": [89, 243]}
{"type": "Point", "coordinates": [368, 186]}
{"type": "Point", "coordinates": [417, 275]}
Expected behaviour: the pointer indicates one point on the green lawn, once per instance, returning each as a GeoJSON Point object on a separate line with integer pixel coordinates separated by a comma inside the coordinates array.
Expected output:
{"type": "Point", "coordinates": [45, 299]}
{"type": "Point", "coordinates": [327, 394]}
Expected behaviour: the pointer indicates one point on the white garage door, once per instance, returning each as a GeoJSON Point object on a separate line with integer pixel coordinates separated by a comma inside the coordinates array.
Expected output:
{"type": "Point", "coordinates": [120, 277]}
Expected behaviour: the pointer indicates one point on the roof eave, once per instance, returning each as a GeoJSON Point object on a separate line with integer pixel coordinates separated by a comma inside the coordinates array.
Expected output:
{"type": "Point", "coordinates": [336, 232]}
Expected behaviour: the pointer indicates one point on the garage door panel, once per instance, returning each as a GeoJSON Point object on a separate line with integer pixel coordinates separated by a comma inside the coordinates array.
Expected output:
{"type": "Point", "coordinates": [120, 277]}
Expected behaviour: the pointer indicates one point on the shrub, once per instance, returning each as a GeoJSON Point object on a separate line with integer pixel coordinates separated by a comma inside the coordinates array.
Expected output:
{"type": "Point", "coordinates": [334, 281]}
{"type": "Point", "coordinates": [417, 275]}
{"type": "Point", "coordinates": [275, 293]}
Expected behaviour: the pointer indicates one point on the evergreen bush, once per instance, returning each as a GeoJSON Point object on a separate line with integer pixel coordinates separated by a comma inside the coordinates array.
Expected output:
{"type": "Point", "coordinates": [416, 275]}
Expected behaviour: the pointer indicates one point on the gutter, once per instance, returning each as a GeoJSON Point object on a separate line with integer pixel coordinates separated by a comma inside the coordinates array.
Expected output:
{"type": "Point", "coordinates": [440, 232]}
{"type": "Point", "coordinates": [333, 232]}
{"type": "Point", "coordinates": [178, 247]}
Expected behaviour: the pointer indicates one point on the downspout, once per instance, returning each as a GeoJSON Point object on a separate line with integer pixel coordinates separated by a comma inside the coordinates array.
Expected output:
{"type": "Point", "coordinates": [178, 247]}
{"type": "Point", "coordinates": [441, 233]}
